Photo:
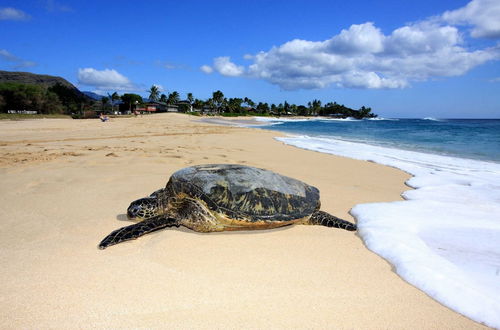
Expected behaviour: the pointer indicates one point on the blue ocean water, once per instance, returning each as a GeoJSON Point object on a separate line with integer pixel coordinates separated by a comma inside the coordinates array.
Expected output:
{"type": "Point", "coordinates": [444, 238]}
{"type": "Point", "coordinates": [468, 138]}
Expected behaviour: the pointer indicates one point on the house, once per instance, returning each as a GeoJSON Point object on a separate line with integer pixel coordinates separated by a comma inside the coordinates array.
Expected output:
{"type": "Point", "coordinates": [208, 110]}
{"type": "Point", "coordinates": [152, 106]}
{"type": "Point", "coordinates": [172, 108]}
{"type": "Point", "coordinates": [158, 106]}
{"type": "Point", "coordinates": [184, 106]}
{"type": "Point", "coordinates": [249, 109]}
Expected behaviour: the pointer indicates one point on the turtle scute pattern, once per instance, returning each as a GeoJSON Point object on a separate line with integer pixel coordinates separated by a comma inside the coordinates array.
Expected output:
{"type": "Point", "coordinates": [246, 193]}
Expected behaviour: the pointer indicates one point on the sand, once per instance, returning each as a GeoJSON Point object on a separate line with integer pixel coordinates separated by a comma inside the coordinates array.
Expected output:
{"type": "Point", "coordinates": [65, 184]}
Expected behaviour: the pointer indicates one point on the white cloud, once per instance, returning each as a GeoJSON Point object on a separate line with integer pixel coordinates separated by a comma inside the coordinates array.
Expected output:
{"type": "Point", "coordinates": [482, 15]}
{"type": "Point", "coordinates": [6, 55]}
{"type": "Point", "coordinates": [362, 56]}
{"type": "Point", "coordinates": [13, 14]}
{"type": "Point", "coordinates": [421, 38]}
{"type": "Point", "coordinates": [107, 79]}
{"type": "Point", "coordinates": [18, 63]}
{"type": "Point", "coordinates": [207, 69]}
{"type": "Point", "coordinates": [225, 67]}
{"type": "Point", "coordinates": [360, 38]}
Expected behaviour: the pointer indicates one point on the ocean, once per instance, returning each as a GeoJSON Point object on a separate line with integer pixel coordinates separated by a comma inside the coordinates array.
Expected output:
{"type": "Point", "coordinates": [444, 238]}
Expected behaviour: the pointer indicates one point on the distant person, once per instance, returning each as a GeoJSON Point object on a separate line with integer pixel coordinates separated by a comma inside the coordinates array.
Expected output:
{"type": "Point", "coordinates": [103, 117]}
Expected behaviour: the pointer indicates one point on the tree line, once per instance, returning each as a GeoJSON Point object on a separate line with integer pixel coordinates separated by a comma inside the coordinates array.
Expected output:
{"type": "Point", "coordinates": [219, 104]}
{"type": "Point", "coordinates": [60, 99]}
{"type": "Point", "coordinates": [57, 99]}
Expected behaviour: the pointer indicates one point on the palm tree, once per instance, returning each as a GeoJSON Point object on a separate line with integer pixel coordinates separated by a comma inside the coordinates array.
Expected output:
{"type": "Point", "coordinates": [112, 98]}
{"type": "Point", "coordinates": [316, 106]}
{"type": "Point", "coordinates": [154, 93]}
{"type": "Point", "coordinates": [249, 102]}
{"type": "Point", "coordinates": [173, 98]}
{"type": "Point", "coordinates": [190, 98]}
{"type": "Point", "coordinates": [198, 104]}
{"type": "Point", "coordinates": [234, 104]}
{"type": "Point", "coordinates": [218, 99]}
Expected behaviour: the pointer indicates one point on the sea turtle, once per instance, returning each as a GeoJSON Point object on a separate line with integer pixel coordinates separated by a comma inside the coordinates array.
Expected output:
{"type": "Point", "coordinates": [219, 197]}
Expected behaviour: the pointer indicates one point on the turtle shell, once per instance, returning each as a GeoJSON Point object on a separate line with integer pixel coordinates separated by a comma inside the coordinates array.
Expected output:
{"type": "Point", "coordinates": [246, 193]}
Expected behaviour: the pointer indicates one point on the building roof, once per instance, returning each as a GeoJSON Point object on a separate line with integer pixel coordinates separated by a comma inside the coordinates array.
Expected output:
{"type": "Point", "coordinates": [155, 102]}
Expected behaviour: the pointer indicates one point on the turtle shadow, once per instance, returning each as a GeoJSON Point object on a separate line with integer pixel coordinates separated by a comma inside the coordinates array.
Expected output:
{"type": "Point", "coordinates": [123, 217]}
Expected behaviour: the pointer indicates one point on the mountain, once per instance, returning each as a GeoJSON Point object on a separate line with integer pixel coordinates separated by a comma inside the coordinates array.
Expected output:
{"type": "Point", "coordinates": [46, 81]}
{"type": "Point", "coordinates": [33, 79]}
{"type": "Point", "coordinates": [93, 95]}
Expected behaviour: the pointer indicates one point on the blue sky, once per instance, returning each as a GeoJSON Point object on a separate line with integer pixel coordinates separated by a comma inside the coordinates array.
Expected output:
{"type": "Point", "coordinates": [402, 58]}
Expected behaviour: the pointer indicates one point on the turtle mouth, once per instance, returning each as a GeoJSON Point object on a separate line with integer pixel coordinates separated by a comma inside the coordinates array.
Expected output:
{"type": "Point", "coordinates": [133, 212]}
{"type": "Point", "coordinates": [130, 215]}
{"type": "Point", "coordinates": [143, 208]}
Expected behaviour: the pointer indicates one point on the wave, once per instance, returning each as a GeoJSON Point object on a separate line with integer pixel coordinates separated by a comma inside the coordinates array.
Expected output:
{"type": "Point", "coordinates": [444, 237]}
{"type": "Point", "coordinates": [382, 118]}
{"type": "Point", "coordinates": [339, 119]}
{"type": "Point", "coordinates": [319, 118]}
{"type": "Point", "coordinates": [280, 119]}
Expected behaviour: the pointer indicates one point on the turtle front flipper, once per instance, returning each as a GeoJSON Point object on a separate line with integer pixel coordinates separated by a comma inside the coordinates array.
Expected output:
{"type": "Point", "coordinates": [328, 220]}
{"type": "Point", "coordinates": [136, 230]}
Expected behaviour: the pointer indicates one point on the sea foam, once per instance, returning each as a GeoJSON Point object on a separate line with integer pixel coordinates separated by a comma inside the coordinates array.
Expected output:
{"type": "Point", "coordinates": [445, 237]}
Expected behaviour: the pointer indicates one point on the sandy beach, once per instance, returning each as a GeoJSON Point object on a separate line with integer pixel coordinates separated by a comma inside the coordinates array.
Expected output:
{"type": "Point", "coordinates": [66, 184]}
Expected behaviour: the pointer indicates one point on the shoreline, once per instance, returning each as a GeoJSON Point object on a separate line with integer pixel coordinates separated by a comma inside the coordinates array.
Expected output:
{"type": "Point", "coordinates": [430, 206]}
{"type": "Point", "coordinates": [175, 277]}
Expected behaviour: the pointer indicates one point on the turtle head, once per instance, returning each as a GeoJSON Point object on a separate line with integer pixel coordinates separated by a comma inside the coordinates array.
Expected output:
{"type": "Point", "coordinates": [143, 208]}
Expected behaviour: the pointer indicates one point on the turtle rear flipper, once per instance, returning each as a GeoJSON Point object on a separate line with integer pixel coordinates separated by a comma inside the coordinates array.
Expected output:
{"type": "Point", "coordinates": [136, 230]}
{"type": "Point", "coordinates": [325, 219]}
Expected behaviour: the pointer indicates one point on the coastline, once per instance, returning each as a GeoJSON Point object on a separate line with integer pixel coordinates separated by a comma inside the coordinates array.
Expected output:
{"type": "Point", "coordinates": [67, 183]}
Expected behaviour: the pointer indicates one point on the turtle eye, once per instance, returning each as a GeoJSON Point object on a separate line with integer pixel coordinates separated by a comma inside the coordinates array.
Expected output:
{"type": "Point", "coordinates": [133, 211]}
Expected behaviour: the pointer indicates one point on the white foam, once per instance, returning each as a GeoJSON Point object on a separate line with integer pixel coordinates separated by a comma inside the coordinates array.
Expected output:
{"type": "Point", "coordinates": [338, 119]}
{"type": "Point", "coordinates": [282, 120]}
{"type": "Point", "coordinates": [445, 238]}
{"type": "Point", "coordinates": [382, 118]}
{"type": "Point", "coordinates": [431, 119]}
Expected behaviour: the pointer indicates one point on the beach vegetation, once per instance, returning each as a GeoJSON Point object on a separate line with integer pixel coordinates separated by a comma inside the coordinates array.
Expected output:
{"type": "Point", "coordinates": [190, 98]}
{"type": "Point", "coordinates": [71, 98]}
{"type": "Point", "coordinates": [218, 100]}
{"type": "Point", "coordinates": [22, 97]}
{"type": "Point", "coordinates": [173, 98]}
{"type": "Point", "coordinates": [104, 101]}
{"type": "Point", "coordinates": [130, 100]}
{"type": "Point", "coordinates": [218, 104]}
{"type": "Point", "coordinates": [198, 104]}
{"type": "Point", "coordinates": [154, 93]}
{"type": "Point", "coordinates": [112, 98]}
